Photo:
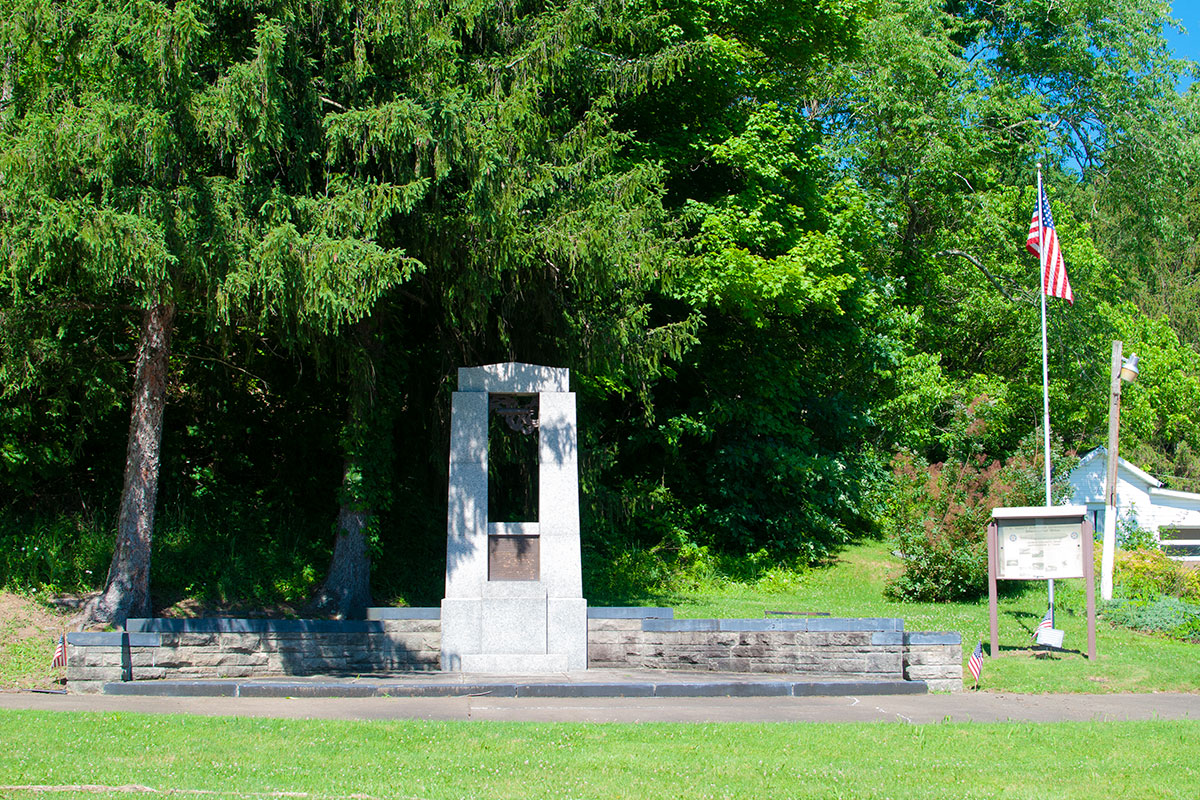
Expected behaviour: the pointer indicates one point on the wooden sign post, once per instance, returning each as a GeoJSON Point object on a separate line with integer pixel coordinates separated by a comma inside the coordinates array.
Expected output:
{"type": "Point", "coordinates": [1033, 543]}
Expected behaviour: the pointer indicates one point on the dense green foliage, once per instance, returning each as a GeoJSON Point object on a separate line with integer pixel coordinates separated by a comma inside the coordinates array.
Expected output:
{"type": "Point", "coordinates": [1144, 573]}
{"type": "Point", "coordinates": [1153, 592]}
{"type": "Point", "coordinates": [776, 243]}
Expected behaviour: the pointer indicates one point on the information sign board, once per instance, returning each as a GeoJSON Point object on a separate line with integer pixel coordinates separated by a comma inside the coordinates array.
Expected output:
{"type": "Point", "coordinates": [1039, 549]}
{"type": "Point", "coordinates": [1041, 543]}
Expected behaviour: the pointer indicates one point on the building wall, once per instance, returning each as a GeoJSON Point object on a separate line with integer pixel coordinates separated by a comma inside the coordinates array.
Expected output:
{"type": "Point", "coordinates": [1087, 485]}
{"type": "Point", "coordinates": [1141, 496]}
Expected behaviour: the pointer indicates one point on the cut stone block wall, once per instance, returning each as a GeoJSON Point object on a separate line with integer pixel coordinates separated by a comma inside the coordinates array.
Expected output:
{"type": "Point", "coordinates": [242, 648]}
{"type": "Point", "coordinates": [409, 639]}
{"type": "Point", "coordinates": [819, 646]}
{"type": "Point", "coordinates": [935, 658]}
{"type": "Point", "coordinates": [862, 654]}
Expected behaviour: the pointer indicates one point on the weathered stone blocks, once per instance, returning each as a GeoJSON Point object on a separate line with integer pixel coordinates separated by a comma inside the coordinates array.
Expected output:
{"type": "Point", "coordinates": [223, 649]}
{"type": "Point", "coordinates": [935, 658]}
{"type": "Point", "coordinates": [868, 648]}
{"type": "Point", "coordinates": [252, 648]}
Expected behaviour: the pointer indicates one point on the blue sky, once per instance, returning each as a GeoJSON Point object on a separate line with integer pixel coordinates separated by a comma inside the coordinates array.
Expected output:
{"type": "Point", "coordinates": [1186, 46]}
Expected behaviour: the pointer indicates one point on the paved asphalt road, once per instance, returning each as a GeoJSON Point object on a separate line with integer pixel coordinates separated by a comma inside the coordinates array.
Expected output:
{"type": "Point", "coordinates": [916, 709]}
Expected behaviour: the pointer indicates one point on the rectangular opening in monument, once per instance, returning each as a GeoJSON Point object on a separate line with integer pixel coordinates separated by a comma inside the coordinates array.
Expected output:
{"type": "Point", "coordinates": [512, 458]}
{"type": "Point", "coordinates": [514, 558]}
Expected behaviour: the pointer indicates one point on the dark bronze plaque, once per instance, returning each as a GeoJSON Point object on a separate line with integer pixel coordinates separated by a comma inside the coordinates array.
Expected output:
{"type": "Point", "coordinates": [514, 558]}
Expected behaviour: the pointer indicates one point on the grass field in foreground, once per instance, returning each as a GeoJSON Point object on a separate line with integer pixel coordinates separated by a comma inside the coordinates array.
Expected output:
{"type": "Point", "coordinates": [237, 757]}
{"type": "Point", "coordinates": [1127, 661]}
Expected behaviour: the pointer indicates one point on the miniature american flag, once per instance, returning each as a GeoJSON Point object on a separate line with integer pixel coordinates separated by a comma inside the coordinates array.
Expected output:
{"type": "Point", "coordinates": [1054, 272]}
{"type": "Point", "coordinates": [975, 662]}
{"type": "Point", "coordinates": [60, 653]}
{"type": "Point", "coordinates": [1046, 624]}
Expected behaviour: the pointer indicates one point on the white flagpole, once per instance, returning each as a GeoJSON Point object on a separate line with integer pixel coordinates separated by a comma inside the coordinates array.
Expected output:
{"type": "Point", "coordinates": [1045, 359]}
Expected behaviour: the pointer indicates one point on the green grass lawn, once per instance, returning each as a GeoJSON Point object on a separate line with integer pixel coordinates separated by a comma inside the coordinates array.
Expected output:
{"type": "Point", "coordinates": [1127, 661]}
{"type": "Point", "coordinates": [48, 754]}
{"type": "Point", "coordinates": [854, 587]}
{"type": "Point", "coordinates": [28, 633]}
{"type": "Point", "coordinates": [234, 757]}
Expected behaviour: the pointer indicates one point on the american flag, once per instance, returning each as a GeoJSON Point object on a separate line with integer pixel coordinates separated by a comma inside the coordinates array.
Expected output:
{"type": "Point", "coordinates": [60, 653]}
{"type": "Point", "coordinates": [975, 662]}
{"type": "Point", "coordinates": [1054, 272]}
{"type": "Point", "coordinates": [1046, 624]}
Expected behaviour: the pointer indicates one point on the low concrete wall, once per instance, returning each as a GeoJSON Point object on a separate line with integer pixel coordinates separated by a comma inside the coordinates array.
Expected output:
{"type": "Point", "coordinates": [409, 639]}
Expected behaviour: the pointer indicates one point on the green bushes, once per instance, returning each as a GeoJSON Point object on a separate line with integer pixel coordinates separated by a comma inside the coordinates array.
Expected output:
{"type": "Point", "coordinates": [1146, 574]}
{"type": "Point", "coordinates": [62, 553]}
{"type": "Point", "coordinates": [239, 557]}
{"type": "Point", "coordinates": [1162, 614]}
{"type": "Point", "coordinates": [677, 565]}
{"type": "Point", "coordinates": [938, 514]}
{"type": "Point", "coordinates": [1154, 593]}
{"type": "Point", "coordinates": [211, 558]}
{"type": "Point", "coordinates": [1131, 535]}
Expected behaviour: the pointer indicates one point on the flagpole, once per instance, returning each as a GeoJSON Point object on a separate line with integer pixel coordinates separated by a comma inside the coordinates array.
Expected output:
{"type": "Point", "coordinates": [1045, 359]}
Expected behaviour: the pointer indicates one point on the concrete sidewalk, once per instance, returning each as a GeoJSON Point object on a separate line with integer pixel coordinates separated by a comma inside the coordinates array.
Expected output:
{"type": "Point", "coordinates": [915, 709]}
{"type": "Point", "coordinates": [590, 683]}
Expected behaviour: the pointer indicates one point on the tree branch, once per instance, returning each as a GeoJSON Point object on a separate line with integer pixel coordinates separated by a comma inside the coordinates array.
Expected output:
{"type": "Point", "coordinates": [227, 365]}
{"type": "Point", "coordinates": [979, 265]}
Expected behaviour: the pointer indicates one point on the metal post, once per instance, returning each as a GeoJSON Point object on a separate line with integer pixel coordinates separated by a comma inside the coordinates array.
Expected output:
{"type": "Point", "coordinates": [1043, 267]}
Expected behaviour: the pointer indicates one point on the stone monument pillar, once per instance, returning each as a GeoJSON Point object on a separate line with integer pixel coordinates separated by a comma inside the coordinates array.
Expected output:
{"type": "Point", "coordinates": [514, 594]}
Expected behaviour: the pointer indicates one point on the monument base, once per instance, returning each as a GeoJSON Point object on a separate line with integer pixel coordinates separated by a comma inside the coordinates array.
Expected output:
{"type": "Point", "coordinates": [505, 664]}
{"type": "Point", "coordinates": [514, 635]}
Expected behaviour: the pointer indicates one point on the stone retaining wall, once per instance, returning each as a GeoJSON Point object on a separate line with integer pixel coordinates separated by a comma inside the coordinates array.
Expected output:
{"type": "Point", "coordinates": [403, 640]}
{"type": "Point", "coordinates": [242, 648]}
{"type": "Point", "coordinates": [935, 658]}
{"type": "Point", "coordinates": [747, 646]}
{"type": "Point", "coordinates": [818, 646]}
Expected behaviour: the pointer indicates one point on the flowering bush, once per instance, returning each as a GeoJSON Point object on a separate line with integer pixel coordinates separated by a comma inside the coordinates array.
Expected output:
{"type": "Point", "coordinates": [938, 516]}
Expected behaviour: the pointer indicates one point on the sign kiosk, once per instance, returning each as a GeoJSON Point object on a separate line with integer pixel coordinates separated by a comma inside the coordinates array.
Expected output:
{"type": "Point", "coordinates": [1037, 543]}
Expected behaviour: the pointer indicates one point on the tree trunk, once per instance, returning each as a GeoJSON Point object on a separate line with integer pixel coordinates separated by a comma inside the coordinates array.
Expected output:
{"type": "Point", "coordinates": [346, 592]}
{"type": "Point", "coordinates": [127, 591]}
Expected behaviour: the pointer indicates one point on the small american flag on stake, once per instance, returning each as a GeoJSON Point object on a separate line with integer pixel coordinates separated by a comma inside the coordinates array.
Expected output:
{"type": "Point", "coordinates": [1054, 272]}
{"type": "Point", "coordinates": [975, 662]}
{"type": "Point", "coordinates": [60, 653]}
{"type": "Point", "coordinates": [1046, 624]}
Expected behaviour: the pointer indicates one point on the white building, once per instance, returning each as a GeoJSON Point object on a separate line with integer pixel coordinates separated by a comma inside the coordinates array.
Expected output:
{"type": "Point", "coordinates": [1173, 516]}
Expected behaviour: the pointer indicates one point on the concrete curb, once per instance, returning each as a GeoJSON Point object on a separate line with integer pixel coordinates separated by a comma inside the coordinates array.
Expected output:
{"type": "Point", "coordinates": [566, 689]}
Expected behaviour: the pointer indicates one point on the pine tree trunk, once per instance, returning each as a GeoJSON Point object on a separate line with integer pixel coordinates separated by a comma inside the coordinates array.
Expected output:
{"type": "Point", "coordinates": [346, 592]}
{"type": "Point", "coordinates": [127, 591]}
